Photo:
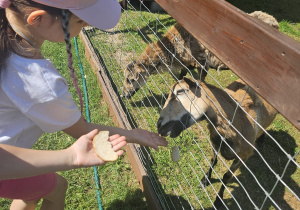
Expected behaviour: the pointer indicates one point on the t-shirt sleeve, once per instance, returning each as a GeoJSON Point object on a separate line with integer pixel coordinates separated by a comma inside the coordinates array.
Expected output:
{"type": "Point", "coordinates": [55, 115]}
{"type": "Point", "coordinates": [41, 93]}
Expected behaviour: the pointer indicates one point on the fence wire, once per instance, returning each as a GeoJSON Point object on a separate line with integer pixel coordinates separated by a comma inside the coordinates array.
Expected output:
{"type": "Point", "coordinates": [267, 179]}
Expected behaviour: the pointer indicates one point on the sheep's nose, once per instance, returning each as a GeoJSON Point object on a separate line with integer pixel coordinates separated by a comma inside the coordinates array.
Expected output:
{"type": "Point", "coordinates": [159, 122]}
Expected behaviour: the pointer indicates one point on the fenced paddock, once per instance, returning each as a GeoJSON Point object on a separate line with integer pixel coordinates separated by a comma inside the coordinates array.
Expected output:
{"type": "Point", "coordinates": [267, 180]}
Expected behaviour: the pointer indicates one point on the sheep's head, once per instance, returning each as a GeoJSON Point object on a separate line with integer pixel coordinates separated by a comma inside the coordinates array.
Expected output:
{"type": "Point", "coordinates": [134, 79]}
{"type": "Point", "coordinates": [265, 17]}
{"type": "Point", "coordinates": [185, 105]}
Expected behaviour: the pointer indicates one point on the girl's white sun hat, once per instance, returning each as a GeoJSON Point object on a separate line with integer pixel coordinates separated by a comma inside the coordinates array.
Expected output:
{"type": "Point", "coordinates": [103, 14]}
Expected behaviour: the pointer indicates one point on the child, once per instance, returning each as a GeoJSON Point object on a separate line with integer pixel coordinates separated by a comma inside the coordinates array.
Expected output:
{"type": "Point", "coordinates": [34, 97]}
{"type": "Point", "coordinates": [17, 162]}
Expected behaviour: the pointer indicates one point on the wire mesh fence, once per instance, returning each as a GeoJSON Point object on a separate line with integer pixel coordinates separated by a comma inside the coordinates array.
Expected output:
{"type": "Point", "coordinates": [144, 58]}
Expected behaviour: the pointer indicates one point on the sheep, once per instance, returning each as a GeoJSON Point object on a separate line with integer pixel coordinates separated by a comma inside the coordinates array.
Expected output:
{"type": "Point", "coordinates": [156, 58]}
{"type": "Point", "coordinates": [190, 101]}
{"type": "Point", "coordinates": [265, 17]}
{"type": "Point", "coordinates": [188, 51]}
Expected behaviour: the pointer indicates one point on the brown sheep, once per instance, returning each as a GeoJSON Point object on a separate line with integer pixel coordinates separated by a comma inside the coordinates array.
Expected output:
{"type": "Point", "coordinates": [189, 102]}
{"type": "Point", "coordinates": [156, 57]}
{"type": "Point", "coordinates": [189, 54]}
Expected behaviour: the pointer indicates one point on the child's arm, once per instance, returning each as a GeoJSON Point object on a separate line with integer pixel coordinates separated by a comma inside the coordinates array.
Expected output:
{"type": "Point", "coordinates": [138, 136]}
{"type": "Point", "coordinates": [18, 162]}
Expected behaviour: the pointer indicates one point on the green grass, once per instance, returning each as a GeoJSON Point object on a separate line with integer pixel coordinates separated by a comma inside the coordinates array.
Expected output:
{"type": "Point", "coordinates": [120, 189]}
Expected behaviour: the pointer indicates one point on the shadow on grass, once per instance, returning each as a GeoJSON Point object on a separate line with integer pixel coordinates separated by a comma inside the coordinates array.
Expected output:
{"type": "Point", "coordinates": [277, 160]}
{"type": "Point", "coordinates": [150, 101]}
{"type": "Point", "coordinates": [157, 27]}
{"type": "Point", "coordinates": [167, 201]}
{"type": "Point", "coordinates": [5, 203]}
{"type": "Point", "coordinates": [135, 200]}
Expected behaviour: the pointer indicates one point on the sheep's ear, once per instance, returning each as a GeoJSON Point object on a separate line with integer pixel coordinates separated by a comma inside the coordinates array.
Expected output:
{"type": "Point", "coordinates": [190, 82]}
{"type": "Point", "coordinates": [130, 66]}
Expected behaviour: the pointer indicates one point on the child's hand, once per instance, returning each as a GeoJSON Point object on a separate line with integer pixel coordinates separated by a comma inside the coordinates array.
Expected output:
{"type": "Point", "coordinates": [147, 138]}
{"type": "Point", "coordinates": [83, 153]}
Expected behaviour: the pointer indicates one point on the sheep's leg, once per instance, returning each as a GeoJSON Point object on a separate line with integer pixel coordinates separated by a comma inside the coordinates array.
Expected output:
{"type": "Point", "coordinates": [205, 180]}
{"type": "Point", "coordinates": [202, 72]}
{"type": "Point", "coordinates": [226, 178]}
{"type": "Point", "coordinates": [183, 73]}
{"type": "Point", "coordinates": [260, 140]}
{"type": "Point", "coordinates": [218, 70]}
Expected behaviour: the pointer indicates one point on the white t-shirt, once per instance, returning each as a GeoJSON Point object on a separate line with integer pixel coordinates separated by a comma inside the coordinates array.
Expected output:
{"type": "Point", "coordinates": [34, 98]}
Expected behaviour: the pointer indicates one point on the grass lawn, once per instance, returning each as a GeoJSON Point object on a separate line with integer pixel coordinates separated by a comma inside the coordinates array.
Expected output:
{"type": "Point", "coordinates": [120, 189]}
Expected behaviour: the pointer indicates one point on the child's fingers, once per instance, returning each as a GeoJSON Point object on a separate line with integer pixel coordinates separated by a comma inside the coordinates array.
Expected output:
{"type": "Point", "coordinates": [118, 140]}
{"type": "Point", "coordinates": [114, 137]}
{"type": "Point", "coordinates": [119, 145]}
{"type": "Point", "coordinates": [120, 152]}
{"type": "Point", "coordinates": [91, 134]}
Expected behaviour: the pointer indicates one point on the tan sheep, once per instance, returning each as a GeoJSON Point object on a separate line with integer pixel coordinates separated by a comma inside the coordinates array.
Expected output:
{"type": "Point", "coordinates": [265, 17]}
{"type": "Point", "coordinates": [189, 54]}
{"type": "Point", "coordinates": [191, 101]}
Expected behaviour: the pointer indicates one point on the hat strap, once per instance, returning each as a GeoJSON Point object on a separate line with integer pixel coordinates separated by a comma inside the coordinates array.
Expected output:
{"type": "Point", "coordinates": [23, 36]}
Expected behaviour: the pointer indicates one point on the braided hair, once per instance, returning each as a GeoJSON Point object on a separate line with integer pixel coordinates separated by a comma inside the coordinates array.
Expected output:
{"type": "Point", "coordinates": [5, 45]}
{"type": "Point", "coordinates": [65, 24]}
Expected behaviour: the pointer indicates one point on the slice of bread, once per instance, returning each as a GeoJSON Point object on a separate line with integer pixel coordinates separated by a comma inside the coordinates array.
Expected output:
{"type": "Point", "coordinates": [103, 147]}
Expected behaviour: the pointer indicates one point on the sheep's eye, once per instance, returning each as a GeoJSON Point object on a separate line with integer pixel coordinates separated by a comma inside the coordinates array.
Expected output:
{"type": "Point", "coordinates": [180, 92]}
{"type": "Point", "coordinates": [130, 80]}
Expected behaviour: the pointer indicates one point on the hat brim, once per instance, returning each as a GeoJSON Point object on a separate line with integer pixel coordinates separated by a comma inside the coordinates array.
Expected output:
{"type": "Point", "coordinates": [104, 14]}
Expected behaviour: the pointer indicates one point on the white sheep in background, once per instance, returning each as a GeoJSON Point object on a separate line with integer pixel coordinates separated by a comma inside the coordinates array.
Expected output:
{"type": "Point", "coordinates": [188, 50]}
{"type": "Point", "coordinates": [265, 17]}
{"type": "Point", "coordinates": [188, 102]}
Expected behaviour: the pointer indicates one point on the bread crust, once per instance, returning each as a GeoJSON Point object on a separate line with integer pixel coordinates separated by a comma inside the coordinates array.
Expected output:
{"type": "Point", "coordinates": [103, 148]}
